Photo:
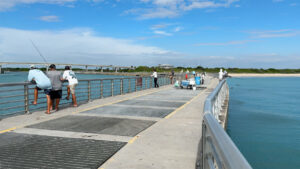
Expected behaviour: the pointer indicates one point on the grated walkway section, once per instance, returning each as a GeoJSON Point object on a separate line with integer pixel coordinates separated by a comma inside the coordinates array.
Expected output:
{"type": "Point", "coordinates": [23, 151]}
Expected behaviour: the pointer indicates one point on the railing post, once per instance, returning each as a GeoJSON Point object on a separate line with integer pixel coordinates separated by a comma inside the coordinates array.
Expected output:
{"type": "Point", "coordinates": [121, 87]}
{"type": "Point", "coordinates": [151, 82]}
{"type": "Point", "coordinates": [112, 87]}
{"type": "Point", "coordinates": [129, 87]}
{"type": "Point", "coordinates": [203, 145]}
{"type": "Point", "coordinates": [89, 90]}
{"type": "Point", "coordinates": [101, 89]}
{"type": "Point", "coordinates": [136, 84]}
{"type": "Point", "coordinates": [146, 83]}
{"type": "Point", "coordinates": [26, 99]}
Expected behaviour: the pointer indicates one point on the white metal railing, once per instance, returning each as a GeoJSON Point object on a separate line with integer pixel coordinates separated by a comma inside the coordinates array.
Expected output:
{"type": "Point", "coordinates": [16, 98]}
{"type": "Point", "coordinates": [217, 149]}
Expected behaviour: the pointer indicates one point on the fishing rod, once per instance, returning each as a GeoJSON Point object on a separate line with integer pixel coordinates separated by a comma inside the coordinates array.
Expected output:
{"type": "Point", "coordinates": [37, 49]}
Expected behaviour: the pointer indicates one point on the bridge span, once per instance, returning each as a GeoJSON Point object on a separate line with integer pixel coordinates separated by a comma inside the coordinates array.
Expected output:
{"type": "Point", "coordinates": [46, 65]}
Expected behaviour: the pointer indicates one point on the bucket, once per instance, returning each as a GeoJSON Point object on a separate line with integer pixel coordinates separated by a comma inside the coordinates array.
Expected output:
{"type": "Point", "coordinates": [197, 79]}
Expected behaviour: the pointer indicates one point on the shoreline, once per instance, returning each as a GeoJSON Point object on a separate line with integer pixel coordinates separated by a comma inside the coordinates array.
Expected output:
{"type": "Point", "coordinates": [264, 75]}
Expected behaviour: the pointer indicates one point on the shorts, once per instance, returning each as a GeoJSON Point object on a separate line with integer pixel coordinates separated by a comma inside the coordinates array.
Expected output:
{"type": "Point", "coordinates": [72, 88]}
{"type": "Point", "coordinates": [55, 94]}
{"type": "Point", "coordinates": [47, 91]}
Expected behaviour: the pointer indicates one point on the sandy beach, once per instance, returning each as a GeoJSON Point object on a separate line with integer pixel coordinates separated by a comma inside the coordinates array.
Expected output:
{"type": "Point", "coordinates": [263, 75]}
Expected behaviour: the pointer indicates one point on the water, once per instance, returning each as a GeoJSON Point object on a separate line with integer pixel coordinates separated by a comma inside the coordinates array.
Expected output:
{"type": "Point", "coordinates": [264, 121]}
{"type": "Point", "coordinates": [15, 105]}
{"type": "Point", "coordinates": [10, 77]}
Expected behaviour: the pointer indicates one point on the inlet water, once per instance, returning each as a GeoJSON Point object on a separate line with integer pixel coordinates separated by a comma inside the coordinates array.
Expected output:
{"type": "Point", "coordinates": [16, 103]}
{"type": "Point", "coordinates": [264, 121]}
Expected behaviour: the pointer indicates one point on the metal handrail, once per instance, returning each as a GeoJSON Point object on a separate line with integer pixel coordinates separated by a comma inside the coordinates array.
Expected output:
{"type": "Point", "coordinates": [218, 150]}
{"type": "Point", "coordinates": [106, 87]}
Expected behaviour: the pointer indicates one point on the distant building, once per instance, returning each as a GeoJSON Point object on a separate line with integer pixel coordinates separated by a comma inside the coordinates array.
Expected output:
{"type": "Point", "coordinates": [165, 66]}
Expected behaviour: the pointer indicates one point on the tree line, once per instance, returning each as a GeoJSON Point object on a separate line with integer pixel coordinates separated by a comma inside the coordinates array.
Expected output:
{"type": "Point", "coordinates": [184, 69]}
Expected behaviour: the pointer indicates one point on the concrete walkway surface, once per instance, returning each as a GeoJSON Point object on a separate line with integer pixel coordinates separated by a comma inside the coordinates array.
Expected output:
{"type": "Point", "coordinates": [156, 128]}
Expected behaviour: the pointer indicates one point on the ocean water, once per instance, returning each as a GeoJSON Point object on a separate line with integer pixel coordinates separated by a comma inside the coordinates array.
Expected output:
{"type": "Point", "coordinates": [264, 121]}
{"type": "Point", "coordinates": [11, 77]}
{"type": "Point", "coordinates": [12, 97]}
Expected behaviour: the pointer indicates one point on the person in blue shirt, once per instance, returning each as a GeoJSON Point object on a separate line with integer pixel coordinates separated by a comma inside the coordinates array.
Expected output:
{"type": "Point", "coordinates": [42, 82]}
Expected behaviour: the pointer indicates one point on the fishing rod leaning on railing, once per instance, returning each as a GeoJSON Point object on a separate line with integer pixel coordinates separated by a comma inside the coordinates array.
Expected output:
{"type": "Point", "coordinates": [16, 98]}
{"type": "Point", "coordinates": [217, 148]}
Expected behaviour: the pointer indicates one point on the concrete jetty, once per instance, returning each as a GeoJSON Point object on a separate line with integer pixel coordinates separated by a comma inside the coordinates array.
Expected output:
{"type": "Point", "coordinates": [150, 129]}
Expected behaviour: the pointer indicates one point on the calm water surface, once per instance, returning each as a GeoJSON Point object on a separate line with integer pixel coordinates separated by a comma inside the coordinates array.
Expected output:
{"type": "Point", "coordinates": [10, 77]}
{"type": "Point", "coordinates": [264, 121]}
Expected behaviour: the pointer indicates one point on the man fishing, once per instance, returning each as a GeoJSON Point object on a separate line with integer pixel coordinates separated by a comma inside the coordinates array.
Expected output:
{"type": "Point", "coordinates": [42, 82]}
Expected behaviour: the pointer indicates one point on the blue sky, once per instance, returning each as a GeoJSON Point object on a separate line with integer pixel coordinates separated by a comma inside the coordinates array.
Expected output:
{"type": "Point", "coordinates": [209, 33]}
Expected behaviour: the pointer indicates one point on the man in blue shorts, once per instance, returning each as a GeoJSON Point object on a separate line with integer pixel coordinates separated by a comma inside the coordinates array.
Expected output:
{"type": "Point", "coordinates": [42, 82]}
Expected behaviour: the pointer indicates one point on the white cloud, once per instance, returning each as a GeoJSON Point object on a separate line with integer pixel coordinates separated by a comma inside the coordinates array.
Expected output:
{"type": "Point", "coordinates": [50, 18]}
{"type": "Point", "coordinates": [75, 46]}
{"type": "Point", "coordinates": [240, 42]}
{"type": "Point", "coordinates": [177, 29]}
{"type": "Point", "coordinates": [275, 33]}
{"type": "Point", "coordinates": [278, 0]}
{"type": "Point", "coordinates": [174, 8]}
{"type": "Point", "coordinates": [7, 4]}
{"type": "Point", "coordinates": [161, 26]}
{"type": "Point", "coordinates": [162, 33]}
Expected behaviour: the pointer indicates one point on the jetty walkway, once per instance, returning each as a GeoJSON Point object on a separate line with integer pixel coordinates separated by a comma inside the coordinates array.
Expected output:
{"type": "Point", "coordinates": [150, 129]}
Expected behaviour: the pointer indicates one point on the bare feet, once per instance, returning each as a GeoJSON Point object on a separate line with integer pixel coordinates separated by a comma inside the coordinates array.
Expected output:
{"type": "Point", "coordinates": [75, 105]}
{"type": "Point", "coordinates": [34, 103]}
{"type": "Point", "coordinates": [47, 112]}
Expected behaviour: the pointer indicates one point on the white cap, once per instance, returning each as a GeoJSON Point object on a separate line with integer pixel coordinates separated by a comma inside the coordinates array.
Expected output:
{"type": "Point", "coordinates": [32, 66]}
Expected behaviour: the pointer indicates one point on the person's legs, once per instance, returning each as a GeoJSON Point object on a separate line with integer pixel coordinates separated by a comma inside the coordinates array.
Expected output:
{"type": "Point", "coordinates": [36, 95]}
{"type": "Point", "coordinates": [49, 103]}
{"type": "Point", "coordinates": [56, 104]}
{"type": "Point", "coordinates": [68, 90]}
{"type": "Point", "coordinates": [72, 90]}
{"type": "Point", "coordinates": [156, 83]}
{"type": "Point", "coordinates": [58, 95]}
{"type": "Point", "coordinates": [74, 100]}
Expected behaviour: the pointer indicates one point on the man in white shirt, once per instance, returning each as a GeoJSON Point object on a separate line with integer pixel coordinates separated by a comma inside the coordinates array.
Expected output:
{"type": "Point", "coordinates": [220, 75]}
{"type": "Point", "coordinates": [155, 78]}
{"type": "Point", "coordinates": [70, 76]}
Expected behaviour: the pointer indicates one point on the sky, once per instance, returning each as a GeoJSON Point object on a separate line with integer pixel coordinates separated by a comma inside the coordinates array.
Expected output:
{"type": "Point", "coordinates": [207, 33]}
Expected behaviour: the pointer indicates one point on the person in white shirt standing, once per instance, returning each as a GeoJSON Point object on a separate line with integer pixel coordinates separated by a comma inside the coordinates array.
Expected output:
{"type": "Point", "coordinates": [220, 75]}
{"type": "Point", "coordinates": [71, 77]}
{"type": "Point", "coordinates": [155, 78]}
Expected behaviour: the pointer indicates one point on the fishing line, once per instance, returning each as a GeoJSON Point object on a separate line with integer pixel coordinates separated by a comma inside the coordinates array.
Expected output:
{"type": "Point", "coordinates": [36, 48]}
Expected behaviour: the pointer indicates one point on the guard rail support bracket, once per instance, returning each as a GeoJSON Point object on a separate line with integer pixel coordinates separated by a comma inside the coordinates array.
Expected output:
{"type": "Point", "coordinates": [129, 87]}
{"type": "Point", "coordinates": [26, 99]}
{"type": "Point", "coordinates": [89, 91]}
{"type": "Point", "coordinates": [101, 89]}
{"type": "Point", "coordinates": [121, 87]}
{"type": "Point", "coordinates": [112, 87]}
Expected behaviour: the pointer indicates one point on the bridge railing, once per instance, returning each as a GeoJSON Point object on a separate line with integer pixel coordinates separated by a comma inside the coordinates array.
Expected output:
{"type": "Point", "coordinates": [217, 149]}
{"type": "Point", "coordinates": [16, 98]}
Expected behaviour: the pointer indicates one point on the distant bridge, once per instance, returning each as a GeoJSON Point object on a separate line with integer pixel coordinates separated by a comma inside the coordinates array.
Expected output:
{"type": "Point", "coordinates": [101, 67]}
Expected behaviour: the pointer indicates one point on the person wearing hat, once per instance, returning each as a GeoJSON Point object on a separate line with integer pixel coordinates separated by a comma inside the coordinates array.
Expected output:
{"type": "Point", "coordinates": [71, 77]}
{"type": "Point", "coordinates": [41, 80]}
{"type": "Point", "coordinates": [57, 82]}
